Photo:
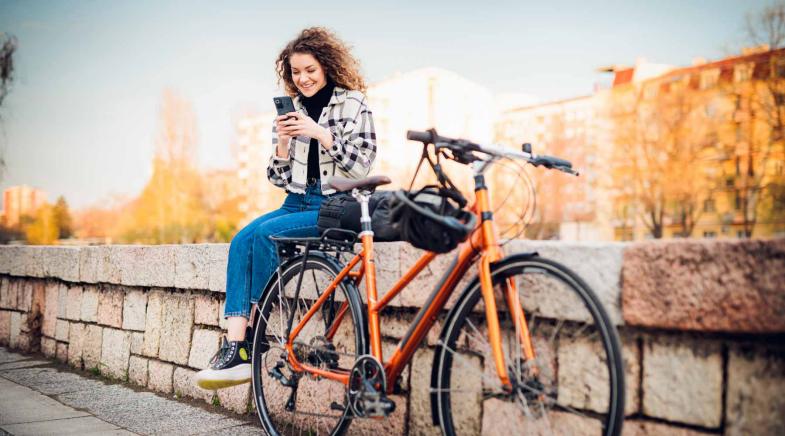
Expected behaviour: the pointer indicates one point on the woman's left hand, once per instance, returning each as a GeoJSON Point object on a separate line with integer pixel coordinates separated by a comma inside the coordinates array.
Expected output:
{"type": "Point", "coordinates": [303, 125]}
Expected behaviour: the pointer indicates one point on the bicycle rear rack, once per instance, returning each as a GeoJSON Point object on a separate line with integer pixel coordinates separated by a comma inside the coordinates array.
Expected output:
{"type": "Point", "coordinates": [332, 240]}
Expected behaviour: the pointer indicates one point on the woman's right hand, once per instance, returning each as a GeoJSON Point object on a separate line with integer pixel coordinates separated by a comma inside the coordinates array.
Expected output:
{"type": "Point", "coordinates": [282, 150]}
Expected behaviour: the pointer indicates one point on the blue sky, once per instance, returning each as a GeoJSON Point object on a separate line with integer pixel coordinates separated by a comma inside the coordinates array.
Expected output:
{"type": "Point", "coordinates": [82, 115]}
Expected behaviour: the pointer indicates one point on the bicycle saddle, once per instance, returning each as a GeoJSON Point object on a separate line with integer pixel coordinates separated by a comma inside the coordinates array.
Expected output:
{"type": "Point", "coordinates": [369, 183]}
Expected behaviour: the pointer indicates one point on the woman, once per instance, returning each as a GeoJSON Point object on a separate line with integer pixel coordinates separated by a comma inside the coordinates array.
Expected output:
{"type": "Point", "coordinates": [330, 134]}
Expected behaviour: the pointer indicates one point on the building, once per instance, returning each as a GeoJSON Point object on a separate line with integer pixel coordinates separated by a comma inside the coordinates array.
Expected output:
{"type": "Point", "coordinates": [19, 201]}
{"type": "Point", "coordinates": [253, 147]}
{"type": "Point", "coordinates": [712, 137]}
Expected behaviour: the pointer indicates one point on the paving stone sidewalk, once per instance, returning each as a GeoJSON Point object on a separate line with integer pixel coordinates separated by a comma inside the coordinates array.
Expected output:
{"type": "Point", "coordinates": [36, 398]}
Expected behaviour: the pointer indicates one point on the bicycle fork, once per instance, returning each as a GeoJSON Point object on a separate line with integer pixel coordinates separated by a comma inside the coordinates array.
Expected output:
{"type": "Point", "coordinates": [510, 290]}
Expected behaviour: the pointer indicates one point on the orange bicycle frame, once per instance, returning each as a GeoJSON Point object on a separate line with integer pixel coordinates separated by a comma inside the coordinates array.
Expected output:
{"type": "Point", "coordinates": [483, 242]}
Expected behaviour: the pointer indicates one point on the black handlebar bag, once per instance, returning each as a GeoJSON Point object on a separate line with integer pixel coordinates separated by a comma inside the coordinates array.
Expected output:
{"type": "Point", "coordinates": [343, 211]}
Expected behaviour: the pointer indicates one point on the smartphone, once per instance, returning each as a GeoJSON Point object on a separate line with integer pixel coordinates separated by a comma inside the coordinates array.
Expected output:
{"type": "Point", "coordinates": [284, 105]}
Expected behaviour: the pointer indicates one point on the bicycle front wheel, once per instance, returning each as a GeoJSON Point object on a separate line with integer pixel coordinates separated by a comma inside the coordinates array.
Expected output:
{"type": "Point", "coordinates": [575, 383]}
{"type": "Point", "coordinates": [289, 402]}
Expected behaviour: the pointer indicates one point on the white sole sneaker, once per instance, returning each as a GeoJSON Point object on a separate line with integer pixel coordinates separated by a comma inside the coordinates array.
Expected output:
{"type": "Point", "coordinates": [211, 379]}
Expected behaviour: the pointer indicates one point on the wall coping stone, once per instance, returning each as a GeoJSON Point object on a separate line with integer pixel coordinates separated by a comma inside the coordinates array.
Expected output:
{"type": "Point", "coordinates": [698, 285]}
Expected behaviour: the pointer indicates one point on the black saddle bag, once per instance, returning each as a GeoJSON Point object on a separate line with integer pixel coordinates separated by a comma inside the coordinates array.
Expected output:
{"type": "Point", "coordinates": [343, 211]}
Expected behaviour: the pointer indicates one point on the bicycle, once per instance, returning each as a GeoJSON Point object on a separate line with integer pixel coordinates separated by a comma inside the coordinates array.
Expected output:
{"type": "Point", "coordinates": [504, 349]}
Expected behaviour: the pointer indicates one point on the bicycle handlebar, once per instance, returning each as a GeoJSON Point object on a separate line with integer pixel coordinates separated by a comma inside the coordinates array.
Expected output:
{"type": "Point", "coordinates": [549, 162]}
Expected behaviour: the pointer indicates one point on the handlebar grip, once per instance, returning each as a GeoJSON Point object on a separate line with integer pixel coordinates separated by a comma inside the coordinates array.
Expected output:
{"type": "Point", "coordinates": [551, 161]}
{"type": "Point", "coordinates": [425, 137]}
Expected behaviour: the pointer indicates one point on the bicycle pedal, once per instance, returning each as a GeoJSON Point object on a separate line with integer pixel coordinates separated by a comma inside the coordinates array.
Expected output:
{"type": "Point", "coordinates": [338, 407]}
{"type": "Point", "coordinates": [379, 407]}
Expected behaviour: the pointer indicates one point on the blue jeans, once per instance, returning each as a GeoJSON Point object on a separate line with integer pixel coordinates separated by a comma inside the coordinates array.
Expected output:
{"type": "Point", "coordinates": [253, 256]}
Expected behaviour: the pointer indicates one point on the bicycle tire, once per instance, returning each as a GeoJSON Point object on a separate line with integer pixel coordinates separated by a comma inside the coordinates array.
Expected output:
{"type": "Point", "coordinates": [350, 342]}
{"type": "Point", "coordinates": [569, 407]}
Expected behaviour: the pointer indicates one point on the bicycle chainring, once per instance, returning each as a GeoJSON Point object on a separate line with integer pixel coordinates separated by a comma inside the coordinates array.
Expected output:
{"type": "Point", "coordinates": [367, 389]}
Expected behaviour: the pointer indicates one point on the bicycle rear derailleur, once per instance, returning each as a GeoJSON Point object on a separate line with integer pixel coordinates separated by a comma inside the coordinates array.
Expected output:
{"type": "Point", "coordinates": [367, 389]}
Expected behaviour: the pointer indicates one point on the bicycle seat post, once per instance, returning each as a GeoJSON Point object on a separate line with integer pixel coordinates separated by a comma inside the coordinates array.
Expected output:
{"type": "Point", "coordinates": [363, 196]}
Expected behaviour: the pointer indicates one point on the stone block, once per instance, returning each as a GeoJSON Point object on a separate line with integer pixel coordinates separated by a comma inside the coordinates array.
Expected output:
{"type": "Point", "coordinates": [33, 262]}
{"type": "Point", "coordinates": [48, 347]}
{"type": "Point", "coordinates": [77, 335]}
{"type": "Point", "coordinates": [648, 428]}
{"type": "Point", "coordinates": [24, 325]}
{"type": "Point", "coordinates": [93, 343]}
{"type": "Point", "coordinates": [26, 344]}
{"type": "Point", "coordinates": [505, 418]}
{"type": "Point", "coordinates": [237, 398]}
{"type": "Point", "coordinates": [51, 296]}
{"type": "Point", "coordinates": [756, 381]}
{"type": "Point", "coordinates": [145, 265]}
{"type": "Point", "coordinates": [73, 309]}
{"type": "Point", "coordinates": [137, 370]}
{"type": "Point", "coordinates": [420, 421]}
{"type": "Point", "coordinates": [583, 375]}
{"type": "Point", "coordinates": [16, 330]}
{"type": "Point", "coordinates": [13, 262]}
{"type": "Point", "coordinates": [134, 310]}
{"type": "Point", "coordinates": [184, 381]}
{"type": "Point", "coordinates": [115, 352]}
{"type": "Point", "coordinates": [682, 381]}
{"type": "Point", "coordinates": [599, 264]}
{"type": "Point", "coordinates": [95, 265]}
{"type": "Point", "coordinates": [62, 300]}
{"type": "Point", "coordinates": [177, 323]}
{"type": "Point", "coordinates": [152, 331]}
{"type": "Point", "coordinates": [5, 327]}
{"type": "Point", "coordinates": [61, 263]}
{"type": "Point", "coordinates": [61, 330]}
{"type": "Point", "coordinates": [160, 376]}
{"type": "Point", "coordinates": [110, 307]}
{"type": "Point", "coordinates": [206, 310]}
{"type": "Point", "coordinates": [62, 352]}
{"type": "Point", "coordinates": [205, 344]}
{"type": "Point", "coordinates": [730, 286]}
{"type": "Point", "coordinates": [4, 297]}
{"type": "Point", "coordinates": [89, 309]}
{"type": "Point", "coordinates": [191, 266]}
{"type": "Point", "coordinates": [217, 255]}
{"type": "Point", "coordinates": [25, 296]}
{"type": "Point", "coordinates": [137, 342]}
{"type": "Point", "coordinates": [388, 266]}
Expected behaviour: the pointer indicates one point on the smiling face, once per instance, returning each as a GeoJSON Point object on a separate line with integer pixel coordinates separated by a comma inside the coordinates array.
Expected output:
{"type": "Point", "coordinates": [307, 73]}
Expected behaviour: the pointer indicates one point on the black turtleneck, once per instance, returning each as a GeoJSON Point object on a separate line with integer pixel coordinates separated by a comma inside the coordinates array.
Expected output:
{"type": "Point", "coordinates": [314, 106]}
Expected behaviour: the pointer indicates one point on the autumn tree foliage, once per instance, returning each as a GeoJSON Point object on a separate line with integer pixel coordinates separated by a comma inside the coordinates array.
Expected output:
{"type": "Point", "coordinates": [171, 207]}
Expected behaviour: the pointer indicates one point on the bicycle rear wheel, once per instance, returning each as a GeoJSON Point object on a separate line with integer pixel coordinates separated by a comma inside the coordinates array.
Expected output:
{"type": "Point", "coordinates": [575, 384]}
{"type": "Point", "coordinates": [288, 402]}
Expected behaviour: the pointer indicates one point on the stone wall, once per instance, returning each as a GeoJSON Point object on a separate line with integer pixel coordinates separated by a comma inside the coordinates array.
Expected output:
{"type": "Point", "coordinates": [702, 325]}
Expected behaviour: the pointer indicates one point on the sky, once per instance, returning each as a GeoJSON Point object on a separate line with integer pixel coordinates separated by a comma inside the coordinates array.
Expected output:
{"type": "Point", "coordinates": [82, 115]}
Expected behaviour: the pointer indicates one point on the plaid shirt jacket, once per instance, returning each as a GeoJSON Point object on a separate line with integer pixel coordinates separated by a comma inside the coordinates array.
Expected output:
{"type": "Point", "coordinates": [354, 144]}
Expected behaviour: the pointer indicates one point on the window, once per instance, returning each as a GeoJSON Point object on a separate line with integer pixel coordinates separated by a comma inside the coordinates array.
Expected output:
{"type": "Point", "coordinates": [741, 234]}
{"type": "Point", "coordinates": [730, 182]}
{"type": "Point", "coordinates": [708, 234]}
{"type": "Point", "coordinates": [709, 206]}
{"type": "Point", "coordinates": [738, 200]}
{"type": "Point", "coordinates": [709, 78]}
{"type": "Point", "coordinates": [743, 72]}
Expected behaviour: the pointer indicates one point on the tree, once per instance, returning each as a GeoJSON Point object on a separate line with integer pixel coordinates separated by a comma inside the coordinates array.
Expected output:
{"type": "Point", "coordinates": [759, 119]}
{"type": "Point", "coordinates": [7, 49]}
{"type": "Point", "coordinates": [63, 218]}
{"type": "Point", "coordinates": [43, 230]}
{"type": "Point", "coordinates": [661, 134]}
{"type": "Point", "coordinates": [171, 207]}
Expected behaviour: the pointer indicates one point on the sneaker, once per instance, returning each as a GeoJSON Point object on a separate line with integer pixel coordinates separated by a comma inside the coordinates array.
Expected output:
{"type": "Point", "coordinates": [230, 366]}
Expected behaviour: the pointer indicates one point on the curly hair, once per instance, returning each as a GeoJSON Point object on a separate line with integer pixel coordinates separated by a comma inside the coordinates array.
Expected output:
{"type": "Point", "coordinates": [332, 53]}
